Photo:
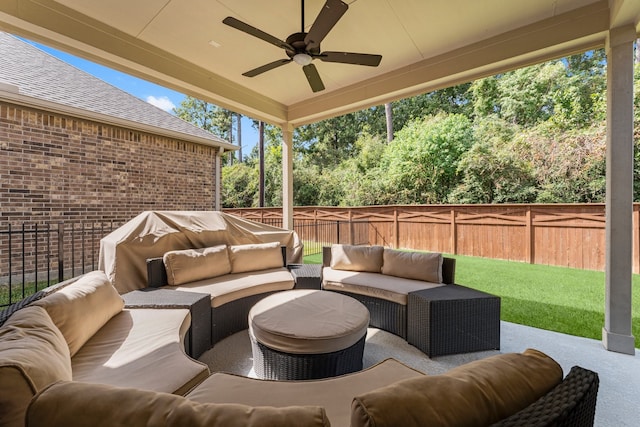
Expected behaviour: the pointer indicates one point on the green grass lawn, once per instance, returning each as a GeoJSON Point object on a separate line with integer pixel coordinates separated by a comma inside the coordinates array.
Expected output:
{"type": "Point", "coordinates": [547, 297]}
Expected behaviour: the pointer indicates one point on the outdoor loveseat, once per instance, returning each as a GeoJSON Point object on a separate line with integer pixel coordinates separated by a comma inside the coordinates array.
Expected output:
{"type": "Point", "coordinates": [413, 295]}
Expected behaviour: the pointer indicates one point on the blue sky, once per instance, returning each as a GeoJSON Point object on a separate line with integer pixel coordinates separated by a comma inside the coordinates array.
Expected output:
{"type": "Point", "coordinates": [152, 93]}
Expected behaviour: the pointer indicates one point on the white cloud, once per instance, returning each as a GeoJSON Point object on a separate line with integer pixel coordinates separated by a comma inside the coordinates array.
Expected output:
{"type": "Point", "coordinates": [161, 102]}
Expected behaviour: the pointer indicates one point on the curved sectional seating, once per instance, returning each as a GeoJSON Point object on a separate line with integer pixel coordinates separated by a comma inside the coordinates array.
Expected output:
{"type": "Point", "coordinates": [77, 357]}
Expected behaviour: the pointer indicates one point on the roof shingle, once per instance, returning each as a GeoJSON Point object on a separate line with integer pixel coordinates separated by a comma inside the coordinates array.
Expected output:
{"type": "Point", "coordinates": [42, 76]}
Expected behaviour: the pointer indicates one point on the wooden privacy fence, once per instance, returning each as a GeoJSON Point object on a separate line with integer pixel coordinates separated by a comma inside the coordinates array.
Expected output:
{"type": "Point", "coordinates": [569, 235]}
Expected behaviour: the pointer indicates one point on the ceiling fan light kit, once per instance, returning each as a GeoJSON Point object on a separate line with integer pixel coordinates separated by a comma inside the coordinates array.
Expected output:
{"type": "Point", "coordinates": [302, 48]}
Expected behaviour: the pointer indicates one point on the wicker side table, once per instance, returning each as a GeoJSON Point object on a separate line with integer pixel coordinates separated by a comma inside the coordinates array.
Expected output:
{"type": "Point", "coordinates": [198, 339]}
{"type": "Point", "coordinates": [453, 319]}
{"type": "Point", "coordinates": [306, 276]}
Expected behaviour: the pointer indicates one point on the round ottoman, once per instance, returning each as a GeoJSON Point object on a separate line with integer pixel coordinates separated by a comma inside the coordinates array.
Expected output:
{"type": "Point", "coordinates": [307, 334]}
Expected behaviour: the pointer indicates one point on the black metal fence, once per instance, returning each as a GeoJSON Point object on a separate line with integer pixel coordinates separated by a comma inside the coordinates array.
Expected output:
{"type": "Point", "coordinates": [36, 255]}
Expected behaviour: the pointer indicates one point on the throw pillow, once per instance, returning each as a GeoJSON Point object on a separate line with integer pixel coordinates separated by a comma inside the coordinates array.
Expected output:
{"type": "Point", "coordinates": [356, 258]}
{"type": "Point", "coordinates": [255, 257]}
{"type": "Point", "coordinates": [477, 393]}
{"type": "Point", "coordinates": [413, 265]}
{"type": "Point", "coordinates": [80, 309]}
{"type": "Point", "coordinates": [190, 265]}
{"type": "Point", "coordinates": [96, 405]}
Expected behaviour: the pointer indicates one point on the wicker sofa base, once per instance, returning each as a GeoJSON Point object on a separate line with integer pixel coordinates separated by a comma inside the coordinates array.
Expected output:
{"type": "Point", "coordinates": [383, 314]}
{"type": "Point", "coordinates": [232, 317]}
{"type": "Point", "coordinates": [276, 365]}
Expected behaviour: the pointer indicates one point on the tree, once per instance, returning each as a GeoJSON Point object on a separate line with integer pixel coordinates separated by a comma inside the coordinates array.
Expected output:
{"type": "Point", "coordinates": [422, 161]}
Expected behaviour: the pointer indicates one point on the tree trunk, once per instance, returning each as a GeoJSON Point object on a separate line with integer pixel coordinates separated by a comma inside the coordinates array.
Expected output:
{"type": "Point", "coordinates": [239, 136]}
{"type": "Point", "coordinates": [389, 115]}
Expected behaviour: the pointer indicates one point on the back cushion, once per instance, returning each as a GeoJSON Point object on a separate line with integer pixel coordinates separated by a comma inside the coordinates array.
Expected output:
{"type": "Point", "coordinates": [254, 257]}
{"type": "Point", "coordinates": [475, 394]}
{"type": "Point", "coordinates": [413, 265]}
{"type": "Point", "coordinates": [80, 309]}
{"type": "Point", "coordinates": [190, 265]}
{"type": "Point", "coordinates": [82, 404]}
{"type": "Point", "coordinates": [357, 258]}
{"type": "Point", "coordinates": [33, 354]}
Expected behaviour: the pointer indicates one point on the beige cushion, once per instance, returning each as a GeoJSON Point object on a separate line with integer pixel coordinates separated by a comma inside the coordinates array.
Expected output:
{"type": "Point", "coordinates": [33, 354]}
{"type": "Point", "coordinates": [255, 257]}
{"type": "Point", "coordinates": [93, 405]}
{"type": "Point", "coordinates": [333, 394]}
{"type": "Point", "coordinates": [377, 285]}
{"type": "Point", "coordinates": [232, 287]}
{"type": "Point", "coordinates": [190, 265]}
{"type": "Point", "coordinates": [413, 265]}
{"type": "Point", "coordinates": [141, 348]}
{"type": "Point", "coordinates": [80, 309]}
{"type": "Point", "coordinates": [475, 394]}
{"type": "Point", "coordinates": [357, 258]}
{"type": "Point", "coordinates": [324, 321]}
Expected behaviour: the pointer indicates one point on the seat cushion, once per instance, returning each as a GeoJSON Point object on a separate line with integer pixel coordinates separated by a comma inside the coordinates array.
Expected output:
{"type": "Point", "coordinates": [141, 348]}
{"type": "Point", "coordinates": [479, 393]}
{"type": "Point", "coordinates": [80, 309]}
{"type": "Point", "coordinates": [97, 405]}
{"type": "Point", "coordinates": [356, 258]}
{"type": "Point", "coordinates": [231, 287]}
{"type": "Point", "coordinates": [33, 354]}
{"type": "Point", "coordinates": [189, 265]}
{"type": "Point", "coordinates": [334, 394]}
{"type": "Point", "coordinates": [390, 288]}
{"type": "Point", "coordinates": [324, 321]}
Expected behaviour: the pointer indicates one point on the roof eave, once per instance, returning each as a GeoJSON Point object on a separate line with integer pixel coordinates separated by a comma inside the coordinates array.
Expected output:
{"type": "Point", "coordinates": [10, 93]}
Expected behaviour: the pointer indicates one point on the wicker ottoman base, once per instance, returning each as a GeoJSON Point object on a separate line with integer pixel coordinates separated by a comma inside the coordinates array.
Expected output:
{"type": "Point", "coordinates": [276, 365]}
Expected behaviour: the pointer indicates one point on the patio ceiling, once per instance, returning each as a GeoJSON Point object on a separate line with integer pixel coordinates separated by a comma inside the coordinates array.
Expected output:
{"type": "Point", "coordinates": [425, 45]}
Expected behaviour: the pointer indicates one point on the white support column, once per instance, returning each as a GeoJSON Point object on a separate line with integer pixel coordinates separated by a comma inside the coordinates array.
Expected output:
{"type": "Point", "coordinates": [287, 177]}
{"type": "Point", "coordinates": [218, 179]}
{"type": "Point", "coordinates": [616, 334]}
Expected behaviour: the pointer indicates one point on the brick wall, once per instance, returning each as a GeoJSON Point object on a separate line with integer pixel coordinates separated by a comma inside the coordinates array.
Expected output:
{"type": "Point", "coordinates": [60, 169]}
{"type": "Point", "coordinates": [55, 167]}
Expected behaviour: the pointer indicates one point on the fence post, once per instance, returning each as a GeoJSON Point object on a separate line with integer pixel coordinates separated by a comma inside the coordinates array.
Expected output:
{"type": "Point", "coordinates": [60, 252]}
{"type": "Point", "coordinates": [530, 240]}
{"type": "Point", "coordinates": [396, 229]}
{"type": "Point", "coordinates": [338, 232]}
{"type": "Point", "coordinates": [454, 232]}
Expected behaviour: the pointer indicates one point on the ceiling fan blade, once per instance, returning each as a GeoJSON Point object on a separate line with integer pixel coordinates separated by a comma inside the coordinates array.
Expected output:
{"type": "Point", "coordinates": [266, 67]}
{"type": "Point", "coordinates": [329, 15]}
{"type": "Point", "coordinates": [351, 58]}
{"type": "Point", "coordinates": [313, 77]}
{"type": "Point", "coordinates": [244, 27]}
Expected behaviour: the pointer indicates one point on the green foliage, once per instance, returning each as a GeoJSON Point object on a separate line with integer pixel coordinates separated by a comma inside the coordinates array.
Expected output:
{"type": "Point", "coordinates": [492, 170]}
{"type": "Point", "coordinates": [422, 161]}
{"type": "Point", "coordinates": [239, 186]}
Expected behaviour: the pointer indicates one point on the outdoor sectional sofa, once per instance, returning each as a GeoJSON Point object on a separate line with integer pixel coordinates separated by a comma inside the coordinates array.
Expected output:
{"type": "Point", "coordinates": [72, 355]}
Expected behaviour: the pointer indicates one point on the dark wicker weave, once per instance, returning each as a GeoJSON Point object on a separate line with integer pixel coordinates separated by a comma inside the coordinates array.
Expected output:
{"type": "Point", "coordinates": [232, 317]}
{"type": "Point", "coordinates": [383, 314]}
{"type": "Point", "coordinates": [572, 403]}
{"type": "Point", "coordinates": [276, 365]}
{"type": "Point", "coordinates": [453, 319]}
{"type": "Point", "coordinates": [306, 276]}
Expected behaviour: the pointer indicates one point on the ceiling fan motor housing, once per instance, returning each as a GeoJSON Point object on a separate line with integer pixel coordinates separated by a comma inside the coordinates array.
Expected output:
{"type": "Point", "coordinates": [296, 40]}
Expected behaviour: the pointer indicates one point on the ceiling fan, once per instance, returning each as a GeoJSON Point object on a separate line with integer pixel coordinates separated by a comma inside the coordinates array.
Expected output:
{"type": "Point", "coordinates": [302, 48]}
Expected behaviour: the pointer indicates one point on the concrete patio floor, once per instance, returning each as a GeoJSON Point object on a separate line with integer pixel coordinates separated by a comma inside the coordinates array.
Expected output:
{"type": "Point", "coordinates": [618, 395]}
